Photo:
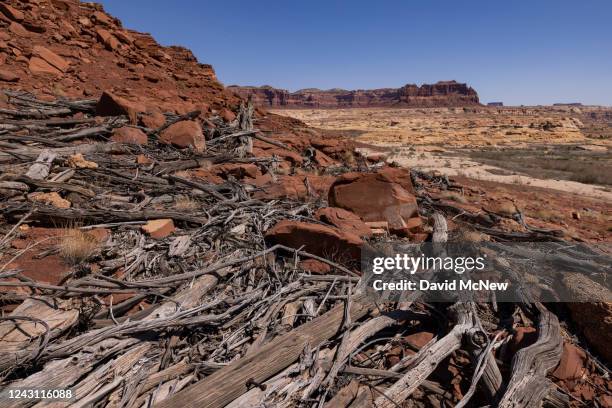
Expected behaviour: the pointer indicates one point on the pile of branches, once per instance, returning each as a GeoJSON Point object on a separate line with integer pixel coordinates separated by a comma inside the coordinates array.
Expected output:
{"type": "Point", "coordinates": [212, 316]}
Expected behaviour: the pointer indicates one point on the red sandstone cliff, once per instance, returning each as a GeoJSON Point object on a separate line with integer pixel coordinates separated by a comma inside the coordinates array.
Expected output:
{"type": "Point", "coordinates": [65, 47]}
{"type": "Point", "coordinates": [443, 93]}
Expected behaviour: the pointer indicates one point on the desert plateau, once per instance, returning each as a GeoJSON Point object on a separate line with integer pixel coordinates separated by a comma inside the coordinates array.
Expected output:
{"type": "Point", "coordinates": [169, 241]}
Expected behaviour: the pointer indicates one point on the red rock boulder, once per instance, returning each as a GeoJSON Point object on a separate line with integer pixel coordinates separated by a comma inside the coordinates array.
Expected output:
{"type": "Point", "coordinates": [595, 320]}
{"type": "Point", "coordinates": [186, 133]}
{"type": "Point", "coordinates": [322, 240]}
{"type": "Point", "coordinates": [113, 105]}
{"type": "Point", "coordinates": [153, 120]}
{"type": "Point", "coordinates": [345, 220]}
{"type": "Point", "coordinates": [8, 76]}
{"type": "Point", "coordinates": [50, 57]}
{"type": "Point", "coordinates": [375, 197]}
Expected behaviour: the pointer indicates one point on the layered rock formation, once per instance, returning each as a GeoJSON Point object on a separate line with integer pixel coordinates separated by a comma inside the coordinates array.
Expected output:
{"type": "Point", "coordinates": [443, 93]}
{"type": "Point", "coordinates": [74, 49]}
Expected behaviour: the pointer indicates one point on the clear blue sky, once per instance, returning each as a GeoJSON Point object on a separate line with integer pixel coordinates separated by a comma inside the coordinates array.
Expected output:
{"type": "Point", "coordinates": [515, 51]}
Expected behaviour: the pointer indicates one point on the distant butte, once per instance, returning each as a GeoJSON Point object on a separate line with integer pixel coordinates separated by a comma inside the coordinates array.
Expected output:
{"type": "Point", "coordinates": [443, 93]}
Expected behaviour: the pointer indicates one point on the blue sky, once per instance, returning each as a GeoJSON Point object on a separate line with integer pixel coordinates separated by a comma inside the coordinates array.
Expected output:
{"type": "Point", "coordinates": [515, 51]}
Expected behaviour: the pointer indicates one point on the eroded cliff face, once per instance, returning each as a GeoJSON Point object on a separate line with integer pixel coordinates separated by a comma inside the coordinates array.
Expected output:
{"type": "Point", "coordinates": [443, 93]}
{"type": "Point", "coordinates": [75, 49]}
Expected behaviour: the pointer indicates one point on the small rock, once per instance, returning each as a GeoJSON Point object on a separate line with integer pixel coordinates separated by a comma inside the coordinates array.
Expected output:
{"type": "Point", "coordinates": [576, 215]}
{"type": "Point", "coordinates": [40, 66]}
{"type": "Point", "coordinates": [11, 12]}
{"type": "Point", "coordinates": [113, 105]}
{"type": "Point", "coordinates": [186, 133]}
{"type": "Point", "coordinates": [316, 239]}
{"type": "Point", "coordinates": [51, 58]}
{"type": "Point", "coordinates": [124, 37]}
{"type": "Point", "coordinates": [237, 170]}
{"type": "Point", "coordinates": [571, 366]}
{"type": "Point", "coordinates": [18, 29]}
{"type": "Point", "coordinates": [110, 42]}
{"type": "Point", "coordinates": [142, 159]}
{"type": "Point", "coordinates": [129, 135]}
{"type": "Point", "coordinates": [85, 22]}
{"type": "Point", "coordinates": [227, 115]}
{"type": "Point", "coordinates": [102, 18]}
{"type": "Point", "coordinates": [153, 120]}
{"type": "Point", "coordinates": [420, 339]}
{"type": "Point", "coordinates": [77, 161]}
{"type": "Point", "coordinates": [7, 76]}
{"type": "Point", "coordinates": [159, 229]}
{"type": "Point", "coordinates": [343, 219]}
{"type": "Point", "coordinates": [51, 198]}
{"type": "Point", "coordinates": [314, 266]}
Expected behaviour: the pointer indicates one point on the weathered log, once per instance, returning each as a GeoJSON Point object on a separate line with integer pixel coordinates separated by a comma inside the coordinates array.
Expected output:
{"type": "Point", "coordinates": [228, 383]}
{"type": "Point", "coordinates": [528, 385]}
{"type": "Point", "coordinates": [428, 359]}
{"type": "Point", "coordinates": [45, 213]}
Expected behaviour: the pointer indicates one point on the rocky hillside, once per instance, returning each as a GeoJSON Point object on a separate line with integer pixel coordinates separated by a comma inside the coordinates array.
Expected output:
{"type": "Point", "coordinates": [443, 93]}
{"type": "Point", "coordinates": [74, 49]}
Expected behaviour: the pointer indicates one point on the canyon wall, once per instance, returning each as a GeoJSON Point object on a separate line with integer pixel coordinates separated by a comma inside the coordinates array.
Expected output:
{"type": "Point", "coordinates": [443, 93]}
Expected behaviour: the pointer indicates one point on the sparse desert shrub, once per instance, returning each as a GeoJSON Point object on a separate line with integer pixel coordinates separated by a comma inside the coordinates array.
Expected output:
{"type": "Point", "coordinates": [77, 246]}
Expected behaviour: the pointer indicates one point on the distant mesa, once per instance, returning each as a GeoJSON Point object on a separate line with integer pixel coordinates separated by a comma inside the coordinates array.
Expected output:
{"type": "Point", "coordinates": [568, 104]}
{"type": "Point", "coordinates": [495, 104]}
{"type": "Point", "coordinates": [440, 94]}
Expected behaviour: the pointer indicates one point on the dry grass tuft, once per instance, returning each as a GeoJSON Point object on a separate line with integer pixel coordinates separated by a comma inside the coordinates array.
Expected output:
{"type": "Point", "coordinates": [77, 246]}
{"type": "Point", "coordinates": [349, 158]}
{"type": "Point", "coordinates": [546, 215]}
{"type": "Point", "coordinates": [184, 203]}
{"type": "Point", "coordinates": [505, 208]}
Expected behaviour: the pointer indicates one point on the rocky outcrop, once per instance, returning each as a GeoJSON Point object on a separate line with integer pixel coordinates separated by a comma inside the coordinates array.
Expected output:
{"type": "Point", "coordinates": [75, 49]}
{"type": "Point", "coordinates": [443, 93]}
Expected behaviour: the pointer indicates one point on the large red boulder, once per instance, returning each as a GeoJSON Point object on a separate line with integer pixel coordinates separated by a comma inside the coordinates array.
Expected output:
{"type": "Point", "coordinates": [322, 240]}
{"type": "Point", "coordinates": [186, 133]}
{"type": "Point", "coordinates": [345, 220]}
{"type": "Point", "coordinates": [376, 197]}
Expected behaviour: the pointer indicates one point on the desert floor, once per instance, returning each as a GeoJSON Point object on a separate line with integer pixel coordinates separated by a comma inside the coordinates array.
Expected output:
{"type": "Point", "coordinates": [561, 148]}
